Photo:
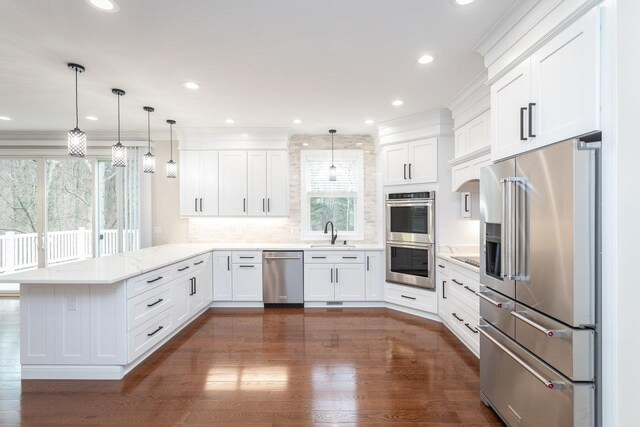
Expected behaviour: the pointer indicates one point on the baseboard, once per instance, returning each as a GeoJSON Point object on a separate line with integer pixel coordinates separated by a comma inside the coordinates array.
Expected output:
{"type": "Point", "coordinates": [72, 372]}
{"type": "Point", "coordinates": [413, 311]}
{"type": "Point", "coordinates": [345, 304]}
{"type": "Point", "coordinates": [236, 304]}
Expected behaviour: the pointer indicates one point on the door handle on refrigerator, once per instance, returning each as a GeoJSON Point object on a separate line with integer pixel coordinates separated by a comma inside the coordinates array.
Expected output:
{"type": "Point", "coordinates": [549, 384]}
{"type": "Point", "coordinates": [507, 254]}
{"type": "Point", "coordinates": [548, 332]}
{"type": "Point", "coordinates": [522, 232]}
{"type": "Point", "coordinates": [522, 137]}
{"type": "Point", "coordinates": [531, 105]}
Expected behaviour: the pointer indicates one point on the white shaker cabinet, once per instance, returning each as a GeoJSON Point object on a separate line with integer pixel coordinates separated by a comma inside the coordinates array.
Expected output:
{"type": "Point", "coordinates": [374, 274]}
{"type": "Point", "coordinates": [247, 282]}
{"type": "Point", "coordinates": [268, 191]}
{"type": "Point", "coordinates": [552, 95]}
{"type": "Point", "coordinates": [318, 282]}
{"type": "Point", "coordinates": [257, 190]}
{"type": "Point", "coordinates": [233, 183]}
{"type": "Point", "coordinates": [350, 282]}
{"type": "Point", "coordinates": [414, 162]}
{"type": "Point", "coordinates": [198, 183]}
{"type": "Point", "coordinates": [473, 136]}
{"type": "Point", "coordinates": [222, 276]}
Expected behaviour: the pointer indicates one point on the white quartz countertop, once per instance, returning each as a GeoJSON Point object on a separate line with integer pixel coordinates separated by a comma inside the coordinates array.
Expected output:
{"type": "Point", "coordinates": [114, 268]}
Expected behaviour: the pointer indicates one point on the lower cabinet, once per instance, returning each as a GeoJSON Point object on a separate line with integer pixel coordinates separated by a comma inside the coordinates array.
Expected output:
{"type": "Point", "coordinates": [334, 282]}
{"type": "Point", "coordinates": [222, 276]}
{"type": "Point", "coordinates": [247, 282]}
{"type": "Point", "coordinates": [374, 274]}
{"type": "Point", "coordinates": [237, 276]}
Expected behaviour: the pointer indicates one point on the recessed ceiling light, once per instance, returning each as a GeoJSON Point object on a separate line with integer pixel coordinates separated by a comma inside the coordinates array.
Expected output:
{"type": "Point", "coordinates": [463, 2]}
{"type": "Point", "coordinates": [191, 85]}
{"type": "Point", "coordinates": [5, 118]}
{"type": "Point", "coordinates": [94, 118]}
{"type": "Point", "coordinates": [425, 59]}
{"type": "Point", "coordinates": [297, 121]}
{"type": "Point", "coordinates": [397, 103]}
{"type": "Point", "coordinates": [368, 121]}
{"type": "Point", "coordinates": [105, 5]}
{"type": "Point", "coordinates": [230, 121]}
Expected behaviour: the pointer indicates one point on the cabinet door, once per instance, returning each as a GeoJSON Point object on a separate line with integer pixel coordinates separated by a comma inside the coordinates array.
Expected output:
{"type": "Point", "coordinates": [565, 83]}
{"type": "Point", "coordinates": [478, 133]}
{"type": "Point", "coordinates": [257, 183]}
{"type": "Point", "coordinates": [460, 141]}
{"type": "Point", "coordinates": [277, 183]}
{"type": "Point", "coordinates": [108, 324]}
{"type": "Point", "coordinates": [196, 301]}
{"type": "Point", "coordinates": [208, 198]}
{"type": "Point", "coordinates": [190, 176]}
{"type": "Point", "coordinates": [350, 282]}
{"type": "Point", "coordinates": [207, 282]}
{"type": "Point", "coordinates": [233, 183]}
{"type": "Point", "coordinates": [247, 282]}
{"type": "Point", "coordinates": [509, 96]}
{"type": "Point", "coordinates": [319, 282]}
{"type": "Point", "coordinates": [423, 161]}
{"type": "Point", "coordinates": [373, 275]}
{"type": "Point", "coordinates": [442, 287]}
{"type": "Point", "coordinates": [73, 311]}
{"type": "Point", "coordinates": [37, 334]}
{"type": "Point", "coordinates": [181, 297]}
{"type": "Point", "coordinates": [222, 277]}
{"type": "Point", "coordinates": [396, 159]}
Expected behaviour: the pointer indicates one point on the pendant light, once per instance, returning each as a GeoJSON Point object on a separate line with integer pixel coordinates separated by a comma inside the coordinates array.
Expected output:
{"type": "Point", "coordinates": [118, 151]}
{"type": "Point", "coordinates": [172, 167]}
{"type": "Point", "coordinates": [149, 161]}
{"type": "Point", "coordinates": [332, 168]}
{"type": "Point", "coordinates": [76, 139]}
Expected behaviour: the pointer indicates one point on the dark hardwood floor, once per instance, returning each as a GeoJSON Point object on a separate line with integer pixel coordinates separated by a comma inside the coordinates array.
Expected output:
{"type": "Point", "coordinates": [267, 367]}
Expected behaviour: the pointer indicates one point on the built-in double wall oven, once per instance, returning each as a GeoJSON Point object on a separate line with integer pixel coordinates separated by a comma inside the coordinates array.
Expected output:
{"type": "Point", "coordinates": [410, 224]}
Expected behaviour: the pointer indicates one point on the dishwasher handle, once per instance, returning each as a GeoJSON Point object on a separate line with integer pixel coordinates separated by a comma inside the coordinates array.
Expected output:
{"type": "Point", "coordinates": [282, 257]}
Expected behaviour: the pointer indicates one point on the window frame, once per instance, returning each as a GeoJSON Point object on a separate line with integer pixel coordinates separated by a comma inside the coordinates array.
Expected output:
{"type": "Point", "coordinates": [325, 155]}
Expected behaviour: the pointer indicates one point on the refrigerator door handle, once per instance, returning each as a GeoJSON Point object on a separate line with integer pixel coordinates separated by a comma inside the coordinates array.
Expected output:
{"type": "Point", "coordinates": [551, 385]}
{"type": "Point", "coordinates": [506, 248]}
{"type": "Point", "coordinates": [521, 255]}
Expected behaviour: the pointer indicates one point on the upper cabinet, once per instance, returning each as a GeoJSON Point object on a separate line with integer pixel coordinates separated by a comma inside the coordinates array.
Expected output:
{"type": "Point", "coordinates": [234, 183]}
{"type": "Point", "coordinates": [414, 162]}
{"type": "Point", "coordinates": [472, 136]}
{"type": "Point", "coordinates": [552, 95]}
{"type": "Point", "coordinates": [198, 183]}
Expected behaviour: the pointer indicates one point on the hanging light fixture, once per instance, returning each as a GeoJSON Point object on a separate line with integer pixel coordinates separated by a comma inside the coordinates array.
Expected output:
{"type": "Point", "coordinates": [149, 161]}
{"type": "Point", "coordinates": [172, 167]}
{"type": "Point", "coordinates": [332, 168]}
{"type": "Point", "coordinates": [118, 151]}
{"type": "Point", "coordinates": [76, 139]}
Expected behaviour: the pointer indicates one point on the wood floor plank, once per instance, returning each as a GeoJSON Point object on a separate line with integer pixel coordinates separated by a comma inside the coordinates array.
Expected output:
{"type": "Point", "coordinates": [255, 367]}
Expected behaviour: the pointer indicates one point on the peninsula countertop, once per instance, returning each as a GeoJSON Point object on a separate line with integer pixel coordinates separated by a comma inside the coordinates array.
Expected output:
{"type": "Point", "coordinates": [114, 268]}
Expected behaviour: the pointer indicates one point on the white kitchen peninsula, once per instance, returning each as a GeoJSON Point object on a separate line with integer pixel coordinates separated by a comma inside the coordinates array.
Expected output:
{"type": "Point", "coordinates": [99, 318]}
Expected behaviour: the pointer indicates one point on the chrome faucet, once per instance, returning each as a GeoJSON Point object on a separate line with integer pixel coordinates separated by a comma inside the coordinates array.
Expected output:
{"type": "Point", "coordinates": [333, 236]}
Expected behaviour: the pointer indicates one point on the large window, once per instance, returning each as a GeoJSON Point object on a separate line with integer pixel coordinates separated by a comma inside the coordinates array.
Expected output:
{"type": "Point", "coordinates": [340, 201]}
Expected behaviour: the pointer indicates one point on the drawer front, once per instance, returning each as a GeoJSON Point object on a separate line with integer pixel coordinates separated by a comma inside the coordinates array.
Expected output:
{"type": "Point", "coordinates": [465, 323]}
{"type": "Point", "coordinates": [150, 280]}
{"type": "Point", "coordinates": [568, 350]}
{"type": "Point", "coordinates": [148, 304]}
{"type": "Point", "coordinates": [496, 309]}
{"type": "Point", "coordinates": [246, 257]}
{"type": "Point", "coordinates": [149, 334]}
{"type": "Point", "coordinates": [443, 266]}
{"type": "Point", "coordinates": [464, 274]}
{"type": "Point", "coordinates": [189, 266]}
{"type": "Point", "coordinates": [465, 290]}
{"type": "Point", "coordinates": [427, 301]}
{"type": "Point", "coordinates": [512, 379]}
{"type": "Point", "coordinates": [346, 257]}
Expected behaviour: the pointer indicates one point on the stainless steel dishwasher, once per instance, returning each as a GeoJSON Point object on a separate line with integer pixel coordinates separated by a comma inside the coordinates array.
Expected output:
{"type": "Point", "coordinates": [283, 277]}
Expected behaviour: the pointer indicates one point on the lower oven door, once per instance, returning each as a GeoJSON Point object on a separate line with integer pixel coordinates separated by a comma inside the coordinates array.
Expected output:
{"type": "Point", "coordinates": [525, 391]}
{"type": "Point", "coordinates": [411, 265]}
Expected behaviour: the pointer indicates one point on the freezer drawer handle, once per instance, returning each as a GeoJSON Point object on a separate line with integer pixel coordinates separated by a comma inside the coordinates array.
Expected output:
{"type": "Point", "coordinates": [489, 300]}
{"type": "Point", "coordinates": [474, 330]}
{"type": "Point", "coordinates": [548, 332]}
{"type": "Point", "coordinates": [549, 384]}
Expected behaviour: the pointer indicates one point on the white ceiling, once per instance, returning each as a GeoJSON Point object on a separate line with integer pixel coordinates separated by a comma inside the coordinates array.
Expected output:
{"type": "Point", "coordinates": [331, 63]}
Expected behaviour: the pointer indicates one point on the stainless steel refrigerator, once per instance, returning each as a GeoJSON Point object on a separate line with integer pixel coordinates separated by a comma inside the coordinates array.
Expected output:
{"type": "Point", "coordinates": [539, 276]}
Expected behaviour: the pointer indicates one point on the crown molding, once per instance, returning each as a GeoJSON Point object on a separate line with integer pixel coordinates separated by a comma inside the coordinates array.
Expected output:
{"type": "Point", "coordinates": [478, 83]}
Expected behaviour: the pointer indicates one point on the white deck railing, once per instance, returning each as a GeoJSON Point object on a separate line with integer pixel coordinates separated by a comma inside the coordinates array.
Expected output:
{"type": "Point", "coordinates": [20, 251]}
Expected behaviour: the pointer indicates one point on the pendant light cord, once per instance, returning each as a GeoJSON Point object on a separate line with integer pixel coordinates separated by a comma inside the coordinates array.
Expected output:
{"type": "Point", "coordinates": [332, 149]}
{"type": "Point", "coordinates": [148, 131]}
{"type": "Point", "coordinates": [76, 97]}
{"type": "Point", "coordinates": [171, 141]}
{"type": "Point", "coordinates": [118, 118]}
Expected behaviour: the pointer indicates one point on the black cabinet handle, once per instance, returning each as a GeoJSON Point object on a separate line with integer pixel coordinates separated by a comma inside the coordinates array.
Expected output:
{"type": "Point", "coordinates": [154, 280]}
{"type": "Point", "coordinates": [454, 315]}
{"type": "Point", "coordinates": [247, 266]}
{"type": "Point", "coordinates": [444, 285]}
{"type": "Point", "coordinates": [456, 282]}
{"type": "Point", "coordinates": [474, 330]}
{"type": "Point", "coordinates": [349, 257]}
{"type": "Point", "coordinates": [367, 262]}
{"type": "Point", "coordinates": [531, 105]}
{"type": "Point", "coordinates": [318, 257]}
{"type": "Point", "coordinates": [470, 290]}
{"type": "Point", "coordinates": [155, 303]}
{"type": "Point", "coordinates": [244, 205]}
{"type": "Point", "coordinates": [183, 268]}
{"type": "Point", "coordinates": [336, 274]}
{"type": "Point", "coordinates": [268, 205]}
{"type": "Point", "coordinates": [404, 296]}
{"type": "Point", "coordinates": [263, 201]}
{"type": "Point", "coordinates": [198, 263]}
{"type": "Point", "coordinates": [466, 203]}
{"type": "Point", "coordinates": [246, 257]}
{"type": "Point", "coordinates": [409, 170]}
{"type": "Point", "coordinates": [522, 137]}
{"type": "Point", "coordinates": [195, 285]}
{"type": "Point", "coordinates": [156, 331]}
{"type": "Point", "coordinates": [440, 265]}
{"type": "Point", "coordinates": [228, 263]}
{"type": "Point", "coordinates": [191, 286]}
{"type": "Point", "coordinates": [405, 171]}
{"type": "Point", "coordinates": [196, 204]}
{"type": "Point", "coordinates": [201, 204]}
{"type": "Point", "coordinates": [332, 275]}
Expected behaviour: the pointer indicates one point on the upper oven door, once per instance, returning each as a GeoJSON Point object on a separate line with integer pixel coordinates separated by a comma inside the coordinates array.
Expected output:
{"type": "Point", "coordinates": [410, 221]}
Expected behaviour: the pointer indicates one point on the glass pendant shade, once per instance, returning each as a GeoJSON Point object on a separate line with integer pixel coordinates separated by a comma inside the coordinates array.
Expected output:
{"type": "Point", "coordinates": [77, 143]}
{"type": "Point", "coordinates": [172, 169]}
{"type": "Point", "coordinates": [332, 173]}
{"type": "Point", "coordinates": [119, 155]}
{"type": "Point", "coordinates": [149, 163]}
